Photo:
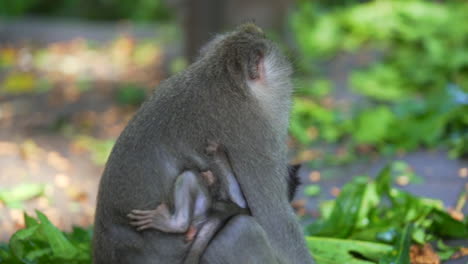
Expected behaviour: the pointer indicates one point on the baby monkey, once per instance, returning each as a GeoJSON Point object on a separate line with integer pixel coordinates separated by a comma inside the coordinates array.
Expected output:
{"type": "Point", "coordinates": [203, 202]}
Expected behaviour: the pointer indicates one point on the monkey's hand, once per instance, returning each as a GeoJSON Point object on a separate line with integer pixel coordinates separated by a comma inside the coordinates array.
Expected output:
{"type": "Point", "coordinates": [212, 148]}
{"type": "Point", "coordinates": [217, 152]}
{"type": "Point", "coordinates": [159, 218]}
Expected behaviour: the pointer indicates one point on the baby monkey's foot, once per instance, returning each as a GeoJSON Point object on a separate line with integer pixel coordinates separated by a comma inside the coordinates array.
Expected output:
{"type": "Point", "coordinates": [144, 219]}
{"type": "Point", "coordinates": [191, 233]}
{"type": "Point", "coordinates": [208, 177]}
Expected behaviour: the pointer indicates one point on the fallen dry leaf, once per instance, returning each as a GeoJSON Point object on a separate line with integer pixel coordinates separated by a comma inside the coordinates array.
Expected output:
{"type": "Point", "coordinates": [30, 150]}
{"type": "Point", "coordinates": [306, 155]}
{"type": "Point", "coordinates": [402, 180]}
{"type": "Point", "coordinates": [335, 191]}
{"type": "Point", "coordinates": [463, 173]}
{"type": "Point", "coordinates": [76, 194]}
{"type": "Point", "coordinates": [8, 148]}
{"type": "Point", "coordinates": [314, 176]}
{"type": "Point", "coordinates": [298, 203]}
{"type": "Point", "coordinates": [62, 180]}
{"type": "Point", "coordinates": [461, 253]}
{"type": "Point", "coordinates": [301, 211]}
{"type": "Point", "coordinates": [455, 214]}
{"type": "Point", "coordinates": [57, 161]}
{"type": "Point", "coordinates": [423, 254]}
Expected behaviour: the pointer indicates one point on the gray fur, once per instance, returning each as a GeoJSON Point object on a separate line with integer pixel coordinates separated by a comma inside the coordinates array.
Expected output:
{"type": "Point", "coordinates": [211, 100]}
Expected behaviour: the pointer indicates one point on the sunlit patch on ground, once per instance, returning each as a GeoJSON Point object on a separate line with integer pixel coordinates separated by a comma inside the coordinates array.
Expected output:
{"type": "Point", "coordinates": [62, 106]}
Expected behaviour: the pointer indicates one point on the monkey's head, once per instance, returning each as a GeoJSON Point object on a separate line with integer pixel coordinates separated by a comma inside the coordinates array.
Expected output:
{"type": "Point", "coordinates": [254, 65]}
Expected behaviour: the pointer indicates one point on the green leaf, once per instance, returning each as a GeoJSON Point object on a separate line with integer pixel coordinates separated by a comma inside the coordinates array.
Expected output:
{"type": "Point", "coordinates": [130, 95]}
{"type": "Point", "coordinates": [372, 125]}
{"type": "Point", "coordinates": [419, 235]}
{"type": "Point", "coordinates": [445, 226]}
{"type": "Point", "coordinates": [29, 221]}
{"type": "Point", "coordinates": [20, 193]}
{"type": "Point", "coordinates": [59, 244]}
{"type": "Point", "coordinates": [332, 251]}
{"type": "Point", "coordinates": [349, 211]}
{"type": "Point", "coordinates": [16, 241]}
{"type": "Point", "coordinates": [18, 83]}
{"type": "Point", "coordinates": [400, 254]}
{"type": "Point", "coordinates": [312, 190]}
{"type": "Point", "coordinates": [384, 181]}
{"type": "Point", "coordinates": [402, 169]}
{"type": "Point", "coordinates": [444, 251]}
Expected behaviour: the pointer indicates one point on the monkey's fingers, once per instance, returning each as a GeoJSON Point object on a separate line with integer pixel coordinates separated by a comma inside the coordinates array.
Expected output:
{"type": "Point", "coordinates": [211, 148]}
{"type": "Point", "coordinates": [140, 223]}
{"type": "Point", "coordinates": [143, 212]}
{"type": "Point", "coordinates": [134, 216]}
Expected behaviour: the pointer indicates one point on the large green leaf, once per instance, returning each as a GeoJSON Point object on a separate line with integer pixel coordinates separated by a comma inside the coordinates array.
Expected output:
{"type": "Point", "coordinates": [445, 226]}
{"type": "Point", "coordinates": [372, 125]}
{"type": "Point", "coordinates": [349, 211]}
{"type": "Point", "coordinates": [400, 255]}
{"type": "Point", "coordinates": [333, 251]}
{"type": "Point", "coordinates": [59, 244]}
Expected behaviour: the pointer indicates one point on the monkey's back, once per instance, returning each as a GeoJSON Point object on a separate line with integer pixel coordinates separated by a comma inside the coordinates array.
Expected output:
{"type": "Point", "coordinates": [154, 148]}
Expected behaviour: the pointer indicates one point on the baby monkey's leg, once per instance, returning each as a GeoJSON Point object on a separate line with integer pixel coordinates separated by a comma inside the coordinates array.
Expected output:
{"type": "Point", "coordinates": [204, 236]}
{"type": "Point", "coordinates": [189, 195]}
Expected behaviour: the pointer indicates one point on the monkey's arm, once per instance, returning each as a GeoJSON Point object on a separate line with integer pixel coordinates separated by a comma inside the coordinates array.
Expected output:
{"type": "Point", "coordinates": [221, 168]}
{"type": "Point", "coordinates": [216, 221]}
{"type": "Point", "coordinates": [242, 240]}
{"type": "Point", "coordinates": [239, 224]}
{"type": "Point", "coordinates": [190, 199]}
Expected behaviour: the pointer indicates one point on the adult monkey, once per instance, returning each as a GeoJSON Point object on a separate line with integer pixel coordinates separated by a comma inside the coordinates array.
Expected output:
{"type": "Point", "coordinates": [238, 93]}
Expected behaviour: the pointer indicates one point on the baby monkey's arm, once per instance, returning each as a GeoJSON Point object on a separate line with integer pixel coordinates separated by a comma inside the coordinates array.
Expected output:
{"type": "Point", "coordinates": [191, 197]}
{"type": "Point", "coordinates": [221, 168]}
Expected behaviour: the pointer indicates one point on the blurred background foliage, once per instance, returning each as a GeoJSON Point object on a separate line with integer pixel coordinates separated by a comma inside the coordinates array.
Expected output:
{"type": "Point", "coordinates": [139, 10]}
{"type": "Point", "coordinates": [412, 90]}
{"type": "Point", "coordinates": [411, 84]}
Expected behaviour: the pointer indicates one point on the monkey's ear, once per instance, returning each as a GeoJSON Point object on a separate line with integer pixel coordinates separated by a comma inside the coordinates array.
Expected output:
{"type": "Point", "coordinates": [255, 65]}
